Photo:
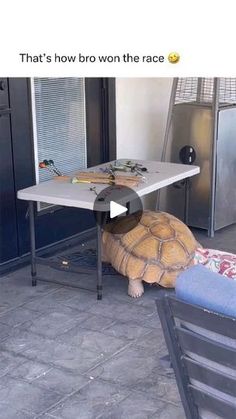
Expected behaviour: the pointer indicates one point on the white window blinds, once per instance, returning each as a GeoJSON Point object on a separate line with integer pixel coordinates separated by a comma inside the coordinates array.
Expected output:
{"type": "Point", "coordinates": [59, 124]}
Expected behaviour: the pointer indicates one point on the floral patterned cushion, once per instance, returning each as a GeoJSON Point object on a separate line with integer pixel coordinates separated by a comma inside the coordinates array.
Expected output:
{"type": "Point", "coordinates": [223, 263]}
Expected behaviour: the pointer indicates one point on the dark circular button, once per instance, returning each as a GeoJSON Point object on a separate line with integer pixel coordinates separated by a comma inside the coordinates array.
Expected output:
{"type": "Point", "coordinates": [118, 209]}
{"type": "Point", "coordinates": [187, 154]}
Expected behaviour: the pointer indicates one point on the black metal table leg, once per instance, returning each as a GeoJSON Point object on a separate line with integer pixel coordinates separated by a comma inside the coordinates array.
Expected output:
{"type": "Point", "coordinates": [32, 243]}
{"type": "Point", "coordinates": [186, 200]}
{"type": "Point", "coordinates": [99, 258]}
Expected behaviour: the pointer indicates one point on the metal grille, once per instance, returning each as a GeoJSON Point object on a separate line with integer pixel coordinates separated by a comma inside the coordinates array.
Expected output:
{"type": "Point", "coordinates": [186, 90]}
{"type": "Point", "coordinates": [193, 89]}
{"type": "Point", "coordinates": [228, 91]}
{"type": "Point", "coordinates": [59, 125]}
{"type": "Point", "coordinates": [201, 91]}
{"type": "Point", "coordinates": [205, 90]}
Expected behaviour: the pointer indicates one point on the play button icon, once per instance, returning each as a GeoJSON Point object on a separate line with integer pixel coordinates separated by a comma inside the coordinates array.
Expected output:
{"type": "Point", "coordinates": [116, 209]}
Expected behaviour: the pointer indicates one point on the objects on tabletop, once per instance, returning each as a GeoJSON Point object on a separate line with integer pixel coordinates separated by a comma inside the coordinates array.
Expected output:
{"type": "Point", "coordinates": [50, 166]}
{"type": "Point", "coordinates": [137, 168]}
{"type": "Point", "coordinates": [106, 178]}
{"type": "Point", "coordinates": [106, 175]}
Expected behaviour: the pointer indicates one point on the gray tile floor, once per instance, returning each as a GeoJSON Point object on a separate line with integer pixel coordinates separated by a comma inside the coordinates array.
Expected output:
{"type": "Point", "coordinates": [66, 355]}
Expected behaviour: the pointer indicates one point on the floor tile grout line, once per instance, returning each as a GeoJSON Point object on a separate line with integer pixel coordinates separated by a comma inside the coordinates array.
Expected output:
{"type": "Point", "coordinates": [86, 385]}
{"type": "Point", "coordinates": [20, 354]}
{"type": "Point", "coordinates": [26, 329]}
{"type": "Point", "coordinates": [64, 399]}
{"type": "Point", "coordinates": [33, 359]}
{"type": "Point", "coordinates": [133, 391]}
{"type": "Point", "coordinates": [122, 387]}
{"type": "Point", "coordinates": [25, 321]}
{"type": "Point", "coordinates": [130, 343]}
{"type": "Point", "coordinates": [116, 404]}
{"type": "Point", "coordinates": [38, 386]}
{"type": "Point", "coordinates": [133, 341]}
{"type": "Point", "coordinates": [35, 385]}
{"type": "Point", "coordinates": [57, 336]}
{"type": "Point", "coordinates": [168, 403]}
{"type": "Point", "coordinates": [105, 359]}
{"type": "Point", "coordinates": [51, 337]}
{"type": "Point", "coordinates": [109, 357]}
{"type": "Point", "coordinates": [41, 314]}
{"type": "Point", "coordinates": [35, 298]}
{"type": "Point", "coordinates": [27, 380]}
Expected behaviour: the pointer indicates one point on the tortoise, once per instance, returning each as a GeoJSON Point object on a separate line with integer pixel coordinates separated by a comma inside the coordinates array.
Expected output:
{"type": "Point", "coordinates": [155, 250]}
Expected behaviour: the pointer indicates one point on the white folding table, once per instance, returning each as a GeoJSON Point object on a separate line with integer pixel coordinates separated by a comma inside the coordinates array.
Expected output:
{"type": "Point", "coordinates": [79, 195]}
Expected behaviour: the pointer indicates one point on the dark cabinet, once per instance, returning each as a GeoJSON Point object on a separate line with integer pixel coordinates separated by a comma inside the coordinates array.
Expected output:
{"type": "Point", "coordinates": [4, 100]}
{"type": "Point", "coordinates": [8, 225]}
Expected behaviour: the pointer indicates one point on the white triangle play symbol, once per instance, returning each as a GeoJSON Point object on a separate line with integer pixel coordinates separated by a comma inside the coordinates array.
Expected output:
{"type": "Point", "coordinates": [116, 209]}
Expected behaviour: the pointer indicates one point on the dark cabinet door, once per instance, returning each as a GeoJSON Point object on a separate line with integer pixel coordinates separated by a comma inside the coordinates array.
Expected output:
{"type": "Point", "coordinates": [4, 100]}
{"type": "Point", "coordinates": [8, 226]}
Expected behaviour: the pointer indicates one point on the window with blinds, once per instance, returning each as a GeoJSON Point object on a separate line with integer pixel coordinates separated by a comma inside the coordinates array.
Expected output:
{"type": "Point", "coordinates": [59, 124]}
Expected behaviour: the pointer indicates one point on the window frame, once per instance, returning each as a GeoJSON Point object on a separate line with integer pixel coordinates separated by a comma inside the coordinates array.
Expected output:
{"type": "Point", "coordinates": [41, 207]}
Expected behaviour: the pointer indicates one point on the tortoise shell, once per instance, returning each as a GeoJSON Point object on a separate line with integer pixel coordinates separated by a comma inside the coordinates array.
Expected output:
{"type": "Point", "coordinates": [156, 250]}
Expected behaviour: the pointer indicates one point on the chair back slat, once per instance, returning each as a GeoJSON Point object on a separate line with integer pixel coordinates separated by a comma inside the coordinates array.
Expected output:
{"type": "Point", "coordinates": [210, 377]}
{"type": "Point", "coordinates": [203, 318]}
{"type": "Point", "coordinates": [202, 347]}
{"type": "Point", "coordinates": [213, 404]}
{"type": "Point", "coordinates": [207, 348]}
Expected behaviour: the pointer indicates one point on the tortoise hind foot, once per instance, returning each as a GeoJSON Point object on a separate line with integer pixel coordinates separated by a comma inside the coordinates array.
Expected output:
{"type": "Point", "coordinates": [135, 288]}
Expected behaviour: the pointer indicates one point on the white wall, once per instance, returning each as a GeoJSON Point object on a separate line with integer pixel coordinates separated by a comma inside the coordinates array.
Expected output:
{"type": "Point", "coordinates": [141, 112]}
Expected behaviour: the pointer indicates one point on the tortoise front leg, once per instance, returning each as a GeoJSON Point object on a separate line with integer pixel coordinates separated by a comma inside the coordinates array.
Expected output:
{"type": "Point", "coordinates": [135, 288]}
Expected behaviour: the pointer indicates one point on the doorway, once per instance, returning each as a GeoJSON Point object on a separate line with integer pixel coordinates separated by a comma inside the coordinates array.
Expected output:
{"type": "Point", "coordinates": [33, 126]}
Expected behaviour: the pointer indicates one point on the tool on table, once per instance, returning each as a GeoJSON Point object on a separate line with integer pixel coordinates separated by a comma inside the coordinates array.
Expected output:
{"type": "Point", "coordinates": [42, 165]}
{"type": "Point", "coordinates": [107, 178]}
{"type": "Point", "coordinates": [137, 168]}
{"type": "Point", "coordinates": [49, 165]}
{"type": "Point", "coordinates": [75, 179]}
{"type": "Point", "coordinates": [127, 166]}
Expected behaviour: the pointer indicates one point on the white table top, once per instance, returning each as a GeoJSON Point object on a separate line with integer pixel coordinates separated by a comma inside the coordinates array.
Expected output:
{"type": "Point", "coordinates": [78, 195]}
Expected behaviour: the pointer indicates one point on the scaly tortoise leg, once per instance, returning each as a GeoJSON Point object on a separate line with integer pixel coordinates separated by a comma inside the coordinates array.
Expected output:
{"type": "Point", "coordinates": [135, 288]}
